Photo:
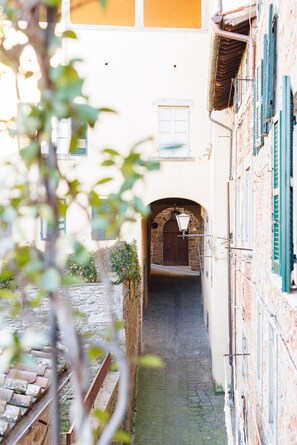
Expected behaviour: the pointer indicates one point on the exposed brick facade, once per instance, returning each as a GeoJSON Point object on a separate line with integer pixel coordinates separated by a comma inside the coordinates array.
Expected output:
{"type": "Point", "coordinates": [264, 318]}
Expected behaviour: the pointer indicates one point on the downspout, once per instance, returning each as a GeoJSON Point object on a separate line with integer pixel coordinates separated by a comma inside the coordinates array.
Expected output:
{"type": "Point", "coordinates": [230, 352]}
{"type": "Point", "coordinates": [216, 20]}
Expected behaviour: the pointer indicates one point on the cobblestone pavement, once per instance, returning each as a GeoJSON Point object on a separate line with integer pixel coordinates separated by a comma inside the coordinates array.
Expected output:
{"type": "Point", "coordinates": [177, 405]}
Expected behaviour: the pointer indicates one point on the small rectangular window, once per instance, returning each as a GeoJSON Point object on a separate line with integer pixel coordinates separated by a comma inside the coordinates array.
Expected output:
{"type": "Point", "coordinates": [116, 12]}
{"type": "Point", "coordinates": [172, 13]}
{"type": "Point", "coordinates": [61, 222]}
{"type": "Point", "coordinates": [101, 217]}
{"type": "Point", "coordinates": [44, 225]}
{"type": "Point", "coordinates": [62, 131]}
{"type": "Point", "coordinates": [173, 132]}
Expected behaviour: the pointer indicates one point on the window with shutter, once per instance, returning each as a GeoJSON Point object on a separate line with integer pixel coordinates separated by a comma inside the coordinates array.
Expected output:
{"type": "Point", "coordinates": [79, 128]}
{"type": "Point", "coordinates": [173, 132]}
{"type": "Point", "coordinates": [70, 137]}
{"type": "Point", "coordinates": [271, 63]}
{"type": "Point", "coordinates": [61, 221]}
{"type": "Point", "coordinates": [258, 108]}
{"type": "Point", "coordinates": [100, 220]}
{"type": "Point", "coordinates": [286, 190]}
{"type": "Point", "coordinates": [276, 195]}
{"type": "Point", "coordinates": [265, 86]}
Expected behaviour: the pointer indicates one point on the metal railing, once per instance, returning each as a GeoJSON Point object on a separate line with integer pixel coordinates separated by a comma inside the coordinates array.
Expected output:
{"type": "Point", "coordinates": [91, 396]}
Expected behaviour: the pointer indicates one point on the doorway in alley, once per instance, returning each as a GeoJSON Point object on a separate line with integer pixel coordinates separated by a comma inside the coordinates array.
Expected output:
{"type": "Point", "coordinates": [175, 248]}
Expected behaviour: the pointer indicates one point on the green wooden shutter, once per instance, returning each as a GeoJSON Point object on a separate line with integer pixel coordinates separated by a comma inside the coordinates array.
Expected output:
{"type": "Point", "coordinates": [80, 128]}
{"type": "Point", "coordinates": [286, 227]}
{"type": "Point", "coordinates": [258, 108]}
{"type": "Point", "coordinates": [259, 8]}
{"type": "Point", "coordinates": [271, 62]}
{"type": "Point", "coordinates": [276, 195]}
{"type": "Point", "coordinates": [265, 85]}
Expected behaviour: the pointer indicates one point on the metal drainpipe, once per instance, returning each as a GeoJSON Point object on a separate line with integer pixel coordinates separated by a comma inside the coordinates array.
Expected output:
{"type": "Point", "coordinates": [228, 248]}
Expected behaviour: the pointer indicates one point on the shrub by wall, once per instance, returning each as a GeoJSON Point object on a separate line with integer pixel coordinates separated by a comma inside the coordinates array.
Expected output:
{"type": "Point", "coordinates": [85, 268]}
{"type": "Point", "coordinates": [124, 262]}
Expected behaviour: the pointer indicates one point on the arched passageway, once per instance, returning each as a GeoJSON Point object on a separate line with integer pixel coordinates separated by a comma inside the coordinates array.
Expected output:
{"type": "Point", "coordinates": [177, 405]}
{"type": "Point", "coordinates": [166, 247]}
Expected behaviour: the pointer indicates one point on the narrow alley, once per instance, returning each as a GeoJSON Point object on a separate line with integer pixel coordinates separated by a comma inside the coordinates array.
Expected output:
{"type": "Point", "coordinates": [177, 405]}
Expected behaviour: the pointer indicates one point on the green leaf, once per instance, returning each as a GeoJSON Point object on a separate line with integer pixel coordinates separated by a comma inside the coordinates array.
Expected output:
{"type": "Point", "coordinates": [122, 436]}
{"type": "Point", "coordinates": [51, 280]}
{"type": "Point", "coordinates": [95, 353]}
{"type": "Point", "coordinates": [107, 163]}
{"type": "Point", "coordinates": [69, 34]}
{"type": "Point", "coordinates": [7, 294]}
{"type": "Point", "coordinates": [51, 3]}
{"type": "Point", "coordinates": [151, 361]}
{"type": "Point", "coordinates": [120, 324]}
{"type": "Point", "coordinates": [102, 416]}
{"type": "Point", "coordinates": [106, 110]}
{"type": "Point", "coordinates": [104, 181]}
{"type": "Point", "coordinates": [111, 152]}
{"type": "Point", "coordinates": [88, 113]}
{"type": "Point", "coordinates": [46, 212]}
{"type": "Point", "coordinates": [29, 153]}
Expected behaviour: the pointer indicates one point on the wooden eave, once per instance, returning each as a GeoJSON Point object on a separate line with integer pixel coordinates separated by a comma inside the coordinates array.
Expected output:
{"type": "Point", "coordinates": [229, 55]}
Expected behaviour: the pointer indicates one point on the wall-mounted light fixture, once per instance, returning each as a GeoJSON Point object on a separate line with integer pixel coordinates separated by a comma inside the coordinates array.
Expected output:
{"type": "Point", "coordinates": [183, 220]}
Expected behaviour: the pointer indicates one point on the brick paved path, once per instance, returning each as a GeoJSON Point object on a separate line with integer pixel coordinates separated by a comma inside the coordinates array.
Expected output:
{"type": "Point", "coordinates": [177, 405]}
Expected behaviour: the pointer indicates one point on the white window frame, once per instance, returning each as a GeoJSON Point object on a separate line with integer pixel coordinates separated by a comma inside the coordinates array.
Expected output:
{"type": "Point", "coordinates": [175, 153]}
{"type": "Point", "coordinates": [61, 136]}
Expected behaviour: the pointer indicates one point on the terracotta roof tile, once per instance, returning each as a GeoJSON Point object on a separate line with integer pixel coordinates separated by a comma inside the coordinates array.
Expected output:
{"type": "Point", "coordinates": [48, 373]}
{"type": "Point", "coordinates": [30, 377]}
{"type": "Point", "coordinates": [5, 394]}
{"type": "Point", "coordinates": [42, 382]}
{"type": "Point", "coordinates": [4, 427]}
{"type": "Point", "coordinates": [11, 414]}
{"type": "Point", "coordinates": [2, 406]}
{"type": "Point", "coordinates": [22, 386]}
{"type": "Point", "coordinates": [38, 368]}
{"type": "Point", "coordinates": [41, 354]}
{"type": "Point", "coordinates": [17, 385]}
{"type": "Point", "coordinates": [21, 400]}
{"type": "Point", "coordinates": [33, 390]}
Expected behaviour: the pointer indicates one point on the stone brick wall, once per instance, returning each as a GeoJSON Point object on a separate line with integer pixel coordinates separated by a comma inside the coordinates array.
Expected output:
{"type": "Point", "coordinates": [259, 304]}
{"type": "Point", "coordinates": [131, 317]}
{"type": "Point", "coordinates": [195, 226]}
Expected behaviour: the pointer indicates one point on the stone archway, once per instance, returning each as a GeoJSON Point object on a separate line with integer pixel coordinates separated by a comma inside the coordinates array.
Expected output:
{"type": "Point", "coordinates": [157, 237]}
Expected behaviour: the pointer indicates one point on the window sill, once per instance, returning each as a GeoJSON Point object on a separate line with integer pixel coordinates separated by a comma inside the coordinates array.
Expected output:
{"type": "Point", "coordinates": [170, 159]}
{"type": "Point", "coordinates": [290, 297]}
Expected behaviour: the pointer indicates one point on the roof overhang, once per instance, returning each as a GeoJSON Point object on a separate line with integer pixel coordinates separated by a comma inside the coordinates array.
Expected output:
{"type": "Point", "coordinates": [225, 57]}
